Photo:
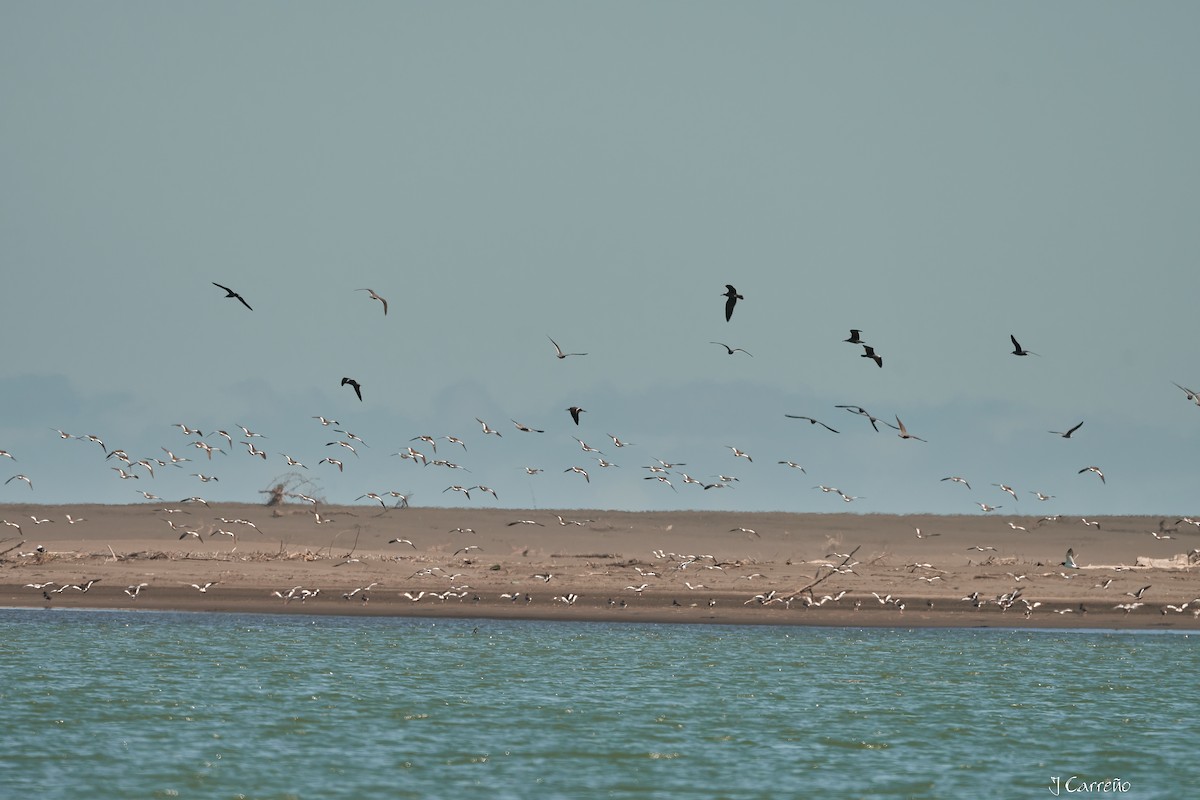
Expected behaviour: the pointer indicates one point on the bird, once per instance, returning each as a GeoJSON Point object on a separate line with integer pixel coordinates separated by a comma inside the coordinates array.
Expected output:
{"type": "Point", "coordinates": [855, 337]}
{"type": "Point", "coordinates": [740, 453]}
{"type": "Point", "coordinates": [1095, 470]}
{"type": "Point", "coordinates": [1069, 561]}
{"type": "Point", "coordinates": [986, 508]}
{"type": "Point", "coordinates": [956, 479]}
{"type": "Point", "coordinates": [203, 589]}
{"type": "Point", "coordinates": [136, 589]}
{"type": "Point", "coordinates": [526, 428]}
{"type": "Point", "coordinates": [326, 422]}
{"type": "Point", "coordinates": [904, 434]}
{"type": "Point", "coordinates": [862, 412]}
{"type": "Point", "coordinates": [1041, 496]}
{"type": "Point", "coordinates": [231, 293]}
{"type": "Point", "coordinates": [579, 471]}
{"type": "Point", "coordinates": [20, 478]}
{"type": "Point", "coordinates": [1138, 594]}
{"type": "Point", "coordinates": [486, 429]}
{"type": "Point", "coordinates": [1191, 394]}
{"type": "Point", "coordinates": [745, 530]}
{"type": "Point", "coordinates": [732, 296]}
{"type": "Point", "coordinates": [1067, 434]}
{"type": "Point", "coordinates": [375, 297]}
{"type": "Point", "coordinates": [335, 462]}
{"type": "Point", "coordinates": [733, 350]}
{"type": "Point", "coordinates": [1008, 489]}
{"type": "Point", "coordinates": [869, 352]}
{"type": "Point", "coordinates": [354, 383]}
{"type": "Point", "coordinates": [558, 351]}
{"type": "Point", "coordinates": [1018, 350]}
{"type": "Point", "coordinates": [575, 411]}
{"type": "Point", "coordinates": [403, 541]}
{"type": "Point", "coordinates": [793, 465]}
{"type": "Point", "coordinates": [457, 488]}
{"type": "Point", "coordinates": [811, 421]}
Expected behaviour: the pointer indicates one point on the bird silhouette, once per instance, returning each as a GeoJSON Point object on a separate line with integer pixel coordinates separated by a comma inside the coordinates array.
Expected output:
{"type": "Point", "coordinates": [376, 297]}
{"type": "Point", "coordinates": [575, 411]}
{"type": "Point", "coordinates": [231, 293]}
{"type": "Point", "coordinates": [1067, 434]}
{"type": "Point", "coordinates": [869, 352]}
{"type": "Point", "coordinates": [855, 337]}
{"type": "Point", "coordinates": [811, 421]}
{"type": "Point", "coordinates": [354, 383]}
{"type": "Point", "coordinates": [732, 297]}
{"type": "Point", "coordinates": [558, 351]}
{"type": "Point", "coordinates": [733, 350]}
{"type": "Point", "coordinates": [1018, 350]}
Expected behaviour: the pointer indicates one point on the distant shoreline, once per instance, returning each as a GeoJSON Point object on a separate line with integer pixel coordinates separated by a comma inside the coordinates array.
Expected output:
{"type": "Point", "coordinates": [725, 568]}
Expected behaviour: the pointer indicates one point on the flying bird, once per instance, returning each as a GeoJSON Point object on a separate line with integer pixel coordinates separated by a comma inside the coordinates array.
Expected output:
{"type": "Point", "coordinates": [354, 383]}
{"type": "Point", "coordinates": [811, 421]}
{"type": "Point", "coordinates": [575, 411]}
{"type": "Point", "coordinates": [1191, 395]}
{"type": "Point", "coordinates": [869, 352]}
{"type": "Point", "coordinates": [1095, 470]}
{"type": "Point", "coordinates": [732, 297]}
{"type": "Point", "coordinates": [957, 479]}
{"type": "Point", "coordinates": [904, 434]}
{"type": "Point", "coordinates": [1018, 350]}
{"type": "Point", "coordinates": [733, 350]}
{"type": "Point", "coordinates": [862, 412]}
{"type": "Point", "coordinates": [19, 478]}
{"type": "Point", "coordinates": [855, 337]}
{"type": "Point", "coordinates": [558, 351]}
{"type": "Point", "coordinates": [1067, 434]}
{"type": "Point", "coordinates": [231, 293]}
{"type": "Point", "coordinates": [376, 297]}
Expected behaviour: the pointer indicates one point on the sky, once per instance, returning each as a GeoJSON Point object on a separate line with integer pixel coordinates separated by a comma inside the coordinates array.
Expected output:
{"type": "Point", "coordinates": [938, 175]}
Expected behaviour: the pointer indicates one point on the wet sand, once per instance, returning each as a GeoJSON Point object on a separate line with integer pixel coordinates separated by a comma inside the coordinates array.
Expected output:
{"type": "Point", "coordinates": [690, 567]}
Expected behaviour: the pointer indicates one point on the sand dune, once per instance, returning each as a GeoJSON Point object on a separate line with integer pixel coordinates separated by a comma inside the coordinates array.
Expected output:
{"type": "Point", "coordinates": [694, 566]}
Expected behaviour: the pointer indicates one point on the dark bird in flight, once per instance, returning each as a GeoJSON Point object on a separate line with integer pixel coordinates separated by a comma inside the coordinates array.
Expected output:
{"type": "Point", "coordinates": [862, 412]}
{"type": "Point", "coordinates": [732, 297]}
{"type": "Point", "coordinates": [733, 350]}
{"type": "Point", "coordinates": [869, 352]}
{"type": "Point", "coordinates": [558, 351]}
{"type": "Point", "coordinates": [855, 337]}
{"type": "Point", "coordinates": [1018, 350]}
{"type": "Point", "coordinates": [1067, 435]}
{"type": "Point", "coordinates": [231, 293]}
{"type": "Point", "coordinates": [811, 421]}
{"type": "Point", "coordinates": [575, 411]}
{"type": "Point", "coordinates": [354, 383]}
{"type": "Point", "coordinates": [376, 297]}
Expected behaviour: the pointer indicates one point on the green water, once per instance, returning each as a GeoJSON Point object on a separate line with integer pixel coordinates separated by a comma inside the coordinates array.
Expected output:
{"type": "Point", "coordinates": [117, 704]}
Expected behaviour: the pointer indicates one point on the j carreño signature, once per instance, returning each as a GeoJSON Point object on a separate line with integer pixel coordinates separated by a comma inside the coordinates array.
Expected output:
{"type": "Point", "coordinates": [1077, 785]}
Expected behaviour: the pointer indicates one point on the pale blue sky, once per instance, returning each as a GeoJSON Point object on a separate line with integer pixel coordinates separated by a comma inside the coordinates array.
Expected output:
{"type": "Point", "coordinates": [939, 175]}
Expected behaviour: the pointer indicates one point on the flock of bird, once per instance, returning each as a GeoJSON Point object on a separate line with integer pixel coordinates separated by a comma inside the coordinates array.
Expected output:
{"type": "Point", "coordinates": [422, 449]}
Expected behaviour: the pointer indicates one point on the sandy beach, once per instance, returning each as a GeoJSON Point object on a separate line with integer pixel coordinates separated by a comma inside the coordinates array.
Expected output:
{"type": "Point", "coordinates": [686, 567]}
